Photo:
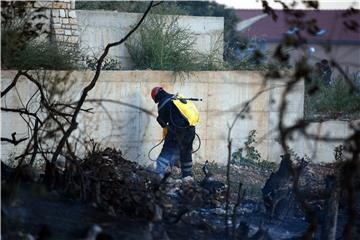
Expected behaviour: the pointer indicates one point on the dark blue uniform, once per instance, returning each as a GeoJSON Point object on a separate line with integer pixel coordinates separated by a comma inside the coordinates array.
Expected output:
{"type": "Point", "coordinates": [179, 139]}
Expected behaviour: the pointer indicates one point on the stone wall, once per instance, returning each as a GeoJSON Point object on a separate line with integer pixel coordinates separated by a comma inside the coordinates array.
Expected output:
{"type": "Point", "coordinates": [63, 22]}
{"type": "Point", "coordinates": [114, 123]}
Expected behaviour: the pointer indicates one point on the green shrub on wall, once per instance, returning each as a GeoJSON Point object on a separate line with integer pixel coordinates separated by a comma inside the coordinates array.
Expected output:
{"type": "Point", "coordinates": [160, 44]}
{"type": "Point", "coordinates": [339, 100]}
{"type": "Point", "coordinates": [42, 55]}
{"type": "Point", "coordinates": [108, 64]}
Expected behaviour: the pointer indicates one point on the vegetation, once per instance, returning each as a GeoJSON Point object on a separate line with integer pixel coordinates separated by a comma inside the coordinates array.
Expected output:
{"type": "Point", "coordinates": [25, 44]}
{"type": "Point", "coordinates": [250, 156]}
{"type": "Point", "coordinates": [41, 55]}
{"type": "Point", "coordinates": [339, 153]}
{"type": "Point", "coordinates": [109, 63]}
{"type": "Point", "coordinates": [164, 45]}
{"type": "Point", "coordinates": [338, 100]}
{"type": "Point", "coordinates": [161, 44]}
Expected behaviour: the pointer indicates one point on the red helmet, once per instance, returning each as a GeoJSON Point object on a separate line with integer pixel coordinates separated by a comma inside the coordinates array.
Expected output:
{"type": "Point", "coordinates": [155, 91]}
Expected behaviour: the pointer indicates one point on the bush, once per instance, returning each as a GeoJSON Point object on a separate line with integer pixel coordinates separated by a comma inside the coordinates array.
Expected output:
{"type": "Point", "coordinates": [339, 100]}
{"type": "Point", "coordinates": [108, 64]}
{"type": "Point", "coordinates": [25, 45]}
{"type": "Point", "coordinates": [250, 156]}
{"type": "Point", "coordinates": [42, 55]}
{"type": "Point", "coordinates": [160, 44]}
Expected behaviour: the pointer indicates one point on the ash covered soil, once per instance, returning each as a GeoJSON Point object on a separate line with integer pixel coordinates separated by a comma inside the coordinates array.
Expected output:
{"type": "Point", "coordinates": [108, 197]}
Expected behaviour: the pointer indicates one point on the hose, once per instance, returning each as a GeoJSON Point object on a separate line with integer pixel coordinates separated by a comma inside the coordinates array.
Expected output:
{"type": "Point", "coordinates": [153, 149]}
{"type": "Point", "coordinates": [162, 140]}
{"type": "Point", "coordinates": [197, 149]}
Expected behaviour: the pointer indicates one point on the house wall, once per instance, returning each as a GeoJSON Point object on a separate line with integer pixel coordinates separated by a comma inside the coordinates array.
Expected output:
{"type": "Point", "coordinates": [135, 132]}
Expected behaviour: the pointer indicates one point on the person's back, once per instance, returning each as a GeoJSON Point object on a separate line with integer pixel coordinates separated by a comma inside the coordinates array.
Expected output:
{"type": "Point", "coordinates": [169, 114]}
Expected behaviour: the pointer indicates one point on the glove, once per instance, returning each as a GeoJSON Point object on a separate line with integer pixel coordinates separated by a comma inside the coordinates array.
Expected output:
{"type": "Point", "coordinates": [164, 132]}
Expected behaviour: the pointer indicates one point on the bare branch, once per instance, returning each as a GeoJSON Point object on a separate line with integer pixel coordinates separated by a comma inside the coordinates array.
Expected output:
{"type": "Point", "coordinates": [12, 84]}
{"type": "Point", "coordinates": [13, 139]}
{"type": "Point", "coordinates": [21, 111]}
{"type": "Point", "coordinates": [122, 103]}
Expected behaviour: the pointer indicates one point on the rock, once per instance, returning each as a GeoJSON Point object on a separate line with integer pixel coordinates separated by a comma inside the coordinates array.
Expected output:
{"type": "Point", "coordinates": [93, 232]}
{"type": "Point", "coordinates": [212, 185]}
{"type": "Point", "coordinates": [188, 180]}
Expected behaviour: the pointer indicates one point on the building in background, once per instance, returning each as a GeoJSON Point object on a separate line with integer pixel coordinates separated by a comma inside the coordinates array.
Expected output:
{"type": "Point", "coordinates": [332, 40]}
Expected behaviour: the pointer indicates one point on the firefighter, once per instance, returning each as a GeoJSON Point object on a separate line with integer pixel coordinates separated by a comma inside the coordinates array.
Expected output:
{"type": "Point", "coordinates": [178, 117]}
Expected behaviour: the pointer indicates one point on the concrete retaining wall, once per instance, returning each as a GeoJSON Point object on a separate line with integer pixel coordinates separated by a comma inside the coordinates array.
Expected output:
{"type": "Point", "coordinates": [135, 132]}
{"type": "Point", "coordinates": [98, 28]}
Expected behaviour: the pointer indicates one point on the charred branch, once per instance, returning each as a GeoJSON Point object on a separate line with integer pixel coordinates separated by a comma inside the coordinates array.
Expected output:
{"type": "Point", "coordinates": [12, 84]}
{"type": "Point", "coordinates": [13, 139]}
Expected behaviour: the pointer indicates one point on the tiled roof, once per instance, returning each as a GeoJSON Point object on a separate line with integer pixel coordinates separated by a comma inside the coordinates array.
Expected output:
{"type": "Point", "coordinates": [331, 25]}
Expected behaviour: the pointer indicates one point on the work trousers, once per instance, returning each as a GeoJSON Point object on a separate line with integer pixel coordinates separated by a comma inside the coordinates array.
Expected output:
{"type": "Point", "coordinates": [177, 146]}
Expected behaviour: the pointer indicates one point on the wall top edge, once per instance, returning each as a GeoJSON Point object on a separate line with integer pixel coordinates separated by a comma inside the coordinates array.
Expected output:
{"type": "Point", "coordinates": [140, 14]}
{"type": "Point", "coordinates": [219, 77]}
{"type": "Point", "coordinates": [136, 71]}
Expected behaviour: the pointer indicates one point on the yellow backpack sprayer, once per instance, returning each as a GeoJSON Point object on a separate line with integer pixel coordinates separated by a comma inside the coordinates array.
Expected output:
{"type": "Point", "coordinates": [188, 109]}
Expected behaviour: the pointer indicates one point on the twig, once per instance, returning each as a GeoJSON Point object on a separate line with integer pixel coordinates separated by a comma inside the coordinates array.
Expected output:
{"type": "Point", "coordinates": [12, 84]}
{"type": "Point", "coordinates": [122, 103]}
{"type": "Point", "coordinates": [36, 143]}
{"type": "Point", "coordinates": [237, 204]}
{"type": "Point", "coordinates": [228, 189]}
{"type": "Point", "coordinates": [21, 111]}
{"type": "Point", "coordinates": [13, 139]}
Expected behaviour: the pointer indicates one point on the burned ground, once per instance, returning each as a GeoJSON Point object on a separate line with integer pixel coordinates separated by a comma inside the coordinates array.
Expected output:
{"type": "Point", "coordinates": [122, 199]}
